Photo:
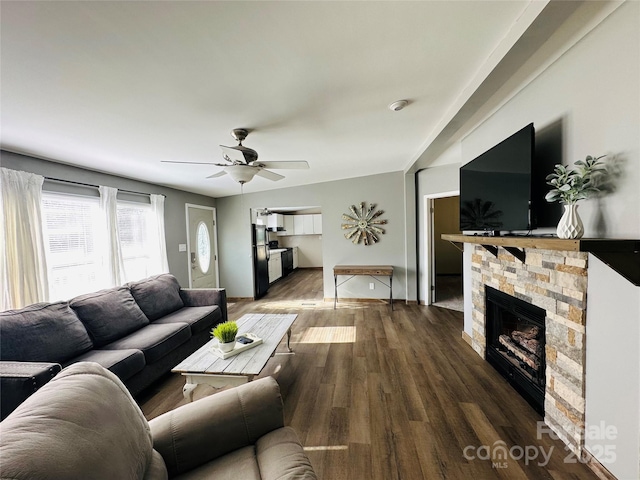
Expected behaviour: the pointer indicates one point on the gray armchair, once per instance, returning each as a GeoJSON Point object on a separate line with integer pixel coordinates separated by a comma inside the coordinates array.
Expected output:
{"type": "Point", "coordinates": [85, 424]}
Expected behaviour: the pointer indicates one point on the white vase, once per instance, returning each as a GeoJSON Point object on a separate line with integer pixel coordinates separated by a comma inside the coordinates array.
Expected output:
{"type": "Point", "coordinates": [570, 225]}
{"type": "Point", "coordinates": [226, 347]}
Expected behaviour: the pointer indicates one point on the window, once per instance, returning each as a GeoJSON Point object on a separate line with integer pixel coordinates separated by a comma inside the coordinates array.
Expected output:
{"type": "Point", "coordinates": [73, 245]}
{"type": "Point", "coordinates": [203, 246]}
{"type": "Point", "coordinates": [76, 243]}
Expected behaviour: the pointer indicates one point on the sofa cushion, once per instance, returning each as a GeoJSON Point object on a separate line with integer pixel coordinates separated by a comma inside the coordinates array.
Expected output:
{"type": "Point", "coordinates": [82, 424]}
{"type": "Point", "coordinates": [280, 444]}
{"type": "Point", "coordinates": [198, 318]}
{"type": "Point", "coordinates": [109, 314]}
{"type": "Point", "coordinates": [156, 470]}
{"type": "Point", "coordinates": [157, 296]}
{"type": "Point", "coordinates": [155, 340]}
{"type": "Point", "coordinates": [44, 332]}
{"type": "Point", "coordinates": [124, 363]}
{"type": "Point", "coordinates": [239, 464]}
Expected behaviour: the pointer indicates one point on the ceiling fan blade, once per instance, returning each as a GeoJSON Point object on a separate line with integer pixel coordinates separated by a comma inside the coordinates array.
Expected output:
{"type": "Point", "coordinates": [218, 174]}
{"type": "Point", "coordinates": [233, 154]}
{"type": "Point", "coordinates": [270, 175]}
{"type": "Point", "coordinates": [191, 163]}
{"type": "Point", "coordinates": [299, 164]}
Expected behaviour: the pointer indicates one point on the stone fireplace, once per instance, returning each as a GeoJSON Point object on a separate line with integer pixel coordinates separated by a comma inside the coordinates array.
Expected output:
{"type": "Point", "coordinates": [555, 281]}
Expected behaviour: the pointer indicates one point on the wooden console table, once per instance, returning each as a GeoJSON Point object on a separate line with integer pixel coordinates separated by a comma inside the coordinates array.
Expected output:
{"type": "Point", "coordinates": [370, 270]}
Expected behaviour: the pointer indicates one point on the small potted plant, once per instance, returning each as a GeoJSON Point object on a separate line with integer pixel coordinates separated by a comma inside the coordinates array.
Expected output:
{"type": "Point", "coordinates": [571, 186]}
{"type": "Point", "coordinates": [226, 333]}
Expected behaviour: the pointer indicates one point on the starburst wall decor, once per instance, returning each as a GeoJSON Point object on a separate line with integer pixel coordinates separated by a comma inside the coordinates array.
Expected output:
{"type": "Point", "coordinates": [362, 224]}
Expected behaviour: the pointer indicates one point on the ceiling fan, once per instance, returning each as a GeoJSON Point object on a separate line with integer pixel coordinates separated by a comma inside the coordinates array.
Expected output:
{"type": "Point", "coordinates": [242, 162]}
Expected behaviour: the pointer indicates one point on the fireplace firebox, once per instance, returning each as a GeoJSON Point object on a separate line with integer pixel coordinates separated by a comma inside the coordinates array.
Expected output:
{"type": "Point", "coordinates": [516, 344]}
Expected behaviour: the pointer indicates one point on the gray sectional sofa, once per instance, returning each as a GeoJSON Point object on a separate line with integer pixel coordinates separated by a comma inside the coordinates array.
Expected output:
{"type": "Point", "coordinates": [138, 331]}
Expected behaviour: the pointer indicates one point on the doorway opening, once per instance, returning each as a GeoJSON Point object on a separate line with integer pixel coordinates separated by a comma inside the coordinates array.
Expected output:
{"type": "Point", "coordinates": [445, 259]}
{"type": "Point", "coordinates": [290, 227]}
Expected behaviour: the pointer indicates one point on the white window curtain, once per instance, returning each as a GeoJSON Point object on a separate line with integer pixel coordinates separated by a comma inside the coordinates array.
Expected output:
{"type": "Point", "coordinates": [109, 208]}
{"type": "Point", "coordinates": [142, 240]}
{"type": "Point", "coordinates": [23, 262]}
{"type": "Point", "coordinates": [60, 245]}
{"type": "Point", "coordinates": [158, 236]}
{"type": "Point", "coordinates": [133, 232]}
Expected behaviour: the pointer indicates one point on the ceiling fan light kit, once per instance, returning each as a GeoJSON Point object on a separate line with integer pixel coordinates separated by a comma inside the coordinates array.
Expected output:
{"type": "Point", "coordinates": [242, 162]}
{"type": "Point", "coordinates": [241, 173]}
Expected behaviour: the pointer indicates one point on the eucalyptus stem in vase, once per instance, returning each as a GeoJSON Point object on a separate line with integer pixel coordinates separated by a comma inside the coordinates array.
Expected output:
{"type": "Point", "coordinates": [569, 187]}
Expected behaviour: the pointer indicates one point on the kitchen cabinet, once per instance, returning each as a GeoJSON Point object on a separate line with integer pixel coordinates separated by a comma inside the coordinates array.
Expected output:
{"type": "Point", "coordinates": [275, 266]}
{"type": "Point", "coordinates": [317, 223]}
{"type": "Point", "coordinates": [275, 221]}
{"type": "Point", "coordinates": [307, 222]}
{"type": "Point", "coordinates": [288, 226]}
{"type": "Point", "coordinates": [301, 224]}
{"type": "Point", "coordinates": [295, 257]}
{"type": "Point", "coordinates": [298, 225]}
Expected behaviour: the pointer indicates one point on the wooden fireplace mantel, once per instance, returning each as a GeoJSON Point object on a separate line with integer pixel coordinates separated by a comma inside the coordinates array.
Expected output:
{"type": "Point", "coordinates": [621, 255]}
{"type": "Point", "coordinates": [548, 243]}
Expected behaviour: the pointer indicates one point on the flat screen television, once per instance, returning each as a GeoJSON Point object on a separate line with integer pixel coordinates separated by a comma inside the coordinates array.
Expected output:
{"type": "Point", "coordinates": [496, 188]}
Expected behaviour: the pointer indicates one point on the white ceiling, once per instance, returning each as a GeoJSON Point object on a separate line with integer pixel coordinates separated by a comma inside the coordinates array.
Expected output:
{"type": "Point", "coordinates": [119, 86]}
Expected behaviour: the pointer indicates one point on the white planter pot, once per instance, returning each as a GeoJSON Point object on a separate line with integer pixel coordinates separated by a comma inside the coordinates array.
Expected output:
{"type": "Point", "coordinates": [226, 347]}
{"type": "Point", "coordinates": [570, 225]}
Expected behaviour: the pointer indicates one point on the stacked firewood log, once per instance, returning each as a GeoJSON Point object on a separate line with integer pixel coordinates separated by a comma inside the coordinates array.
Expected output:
{"type": "Point", "coordinates": [524, 345]}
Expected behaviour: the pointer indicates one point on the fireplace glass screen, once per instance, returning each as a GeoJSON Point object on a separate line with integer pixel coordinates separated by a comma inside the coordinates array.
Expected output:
{"type": "Point", "coordinates": [516, 343]}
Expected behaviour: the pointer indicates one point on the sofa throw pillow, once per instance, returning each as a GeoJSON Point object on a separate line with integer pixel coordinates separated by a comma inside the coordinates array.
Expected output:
{"type": "Point", "coordinates": [43, 332]}
{"type": "Point", "coordinates": [109, 314]}
{"type": "Point", "coordinates": [157, 296]}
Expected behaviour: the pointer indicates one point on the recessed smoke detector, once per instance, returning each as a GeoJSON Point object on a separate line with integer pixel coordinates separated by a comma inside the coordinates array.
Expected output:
{"type": "Point", "coordinates": [398, 105]}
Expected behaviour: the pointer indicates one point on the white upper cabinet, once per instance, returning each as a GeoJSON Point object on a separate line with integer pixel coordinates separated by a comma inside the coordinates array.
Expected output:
{"type": "Point", "coordinates": [271, 221]}
{"type": "Point", "coordinates": [301, 224]}
{"type": "Point", "coordinates": [307, 224]}
{"type": "Point", "coordinates": [288, 226]}
{"type": "Point", "coordinates": [317, 223]}
{"type": "Point", "coordinates": [275, 220]}
{"type": "Point", "coordinates": [298, 225]}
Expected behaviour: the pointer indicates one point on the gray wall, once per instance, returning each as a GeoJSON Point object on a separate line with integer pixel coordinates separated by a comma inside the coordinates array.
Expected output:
{"type": "Point", "coordinates": [334, 199]}
{"type": "Point", "coordinates": [174, 205]}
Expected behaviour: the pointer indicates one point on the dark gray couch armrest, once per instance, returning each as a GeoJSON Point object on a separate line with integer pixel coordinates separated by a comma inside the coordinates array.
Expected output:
{"type": "Point", "coordinates": [202, 297]}
{"type": "Point", "coordinates": [18, 380]}
{"type": "Point", "coordinates": [198, 432]}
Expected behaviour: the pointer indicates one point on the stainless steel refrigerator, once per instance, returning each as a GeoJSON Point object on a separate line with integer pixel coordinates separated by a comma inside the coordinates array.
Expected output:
{"type": "Point", "coordinates": [260, 260]}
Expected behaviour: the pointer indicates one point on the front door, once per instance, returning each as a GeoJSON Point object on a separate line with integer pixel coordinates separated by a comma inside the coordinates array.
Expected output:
{"type": "Point", "coordinates": [202, 247]}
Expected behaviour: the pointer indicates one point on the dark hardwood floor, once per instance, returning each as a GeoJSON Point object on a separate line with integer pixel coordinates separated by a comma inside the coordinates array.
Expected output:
{"type": "Point", "coordinates": [375, 394]}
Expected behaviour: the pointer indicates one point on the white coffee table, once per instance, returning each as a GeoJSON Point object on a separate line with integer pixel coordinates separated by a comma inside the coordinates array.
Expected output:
{"type": "Point", "coordinates": [203, 366]}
